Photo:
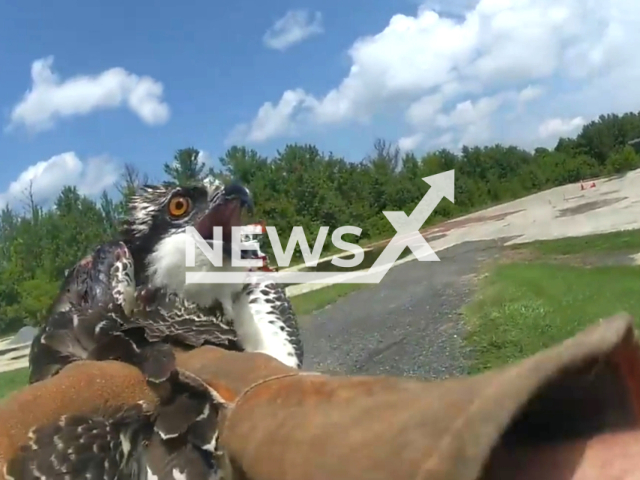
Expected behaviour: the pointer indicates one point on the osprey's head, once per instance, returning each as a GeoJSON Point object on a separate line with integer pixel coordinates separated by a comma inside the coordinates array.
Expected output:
{"type": "Point", "coordinates": [155, 230]}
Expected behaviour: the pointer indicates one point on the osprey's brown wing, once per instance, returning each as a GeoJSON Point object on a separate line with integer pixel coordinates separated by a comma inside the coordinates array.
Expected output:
{"type": "Point", "coordinates": [102, 421]}
{"type": "Point", "coordinates": [102, 278]}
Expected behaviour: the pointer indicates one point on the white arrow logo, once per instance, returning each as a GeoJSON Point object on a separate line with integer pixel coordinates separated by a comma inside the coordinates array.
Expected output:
{"type": "Point", "coordinates": [408, 228]}
{"type": "Point", "coordinates": [407, 235]}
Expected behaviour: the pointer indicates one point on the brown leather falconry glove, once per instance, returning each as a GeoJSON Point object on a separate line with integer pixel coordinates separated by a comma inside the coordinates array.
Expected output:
{"type": "Point", "coordinates": [569, 412]}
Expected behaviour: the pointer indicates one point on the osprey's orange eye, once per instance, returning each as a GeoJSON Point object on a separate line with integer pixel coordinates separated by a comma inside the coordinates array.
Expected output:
{"type": "Point", "coordinates": [179, 206]}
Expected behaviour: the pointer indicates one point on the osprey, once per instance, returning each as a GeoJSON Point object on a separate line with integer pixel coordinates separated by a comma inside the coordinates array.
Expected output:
{"type": "Point", "coordinates": [155, 233]}
{"type": "Point", "coordinates": [129, 301]}
{"type": "Point", "coordinates": [142, 277]}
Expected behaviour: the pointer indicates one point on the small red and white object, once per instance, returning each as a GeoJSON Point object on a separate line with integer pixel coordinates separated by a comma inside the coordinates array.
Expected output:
{"type": "Point", "coordinates": [586, 186]}
{"type": "Point", "coordinates": [255, 239]}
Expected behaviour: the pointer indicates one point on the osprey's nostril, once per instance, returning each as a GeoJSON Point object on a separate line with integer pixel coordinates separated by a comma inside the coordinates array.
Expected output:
{"type": "Point", "coordinates": [236, 191]}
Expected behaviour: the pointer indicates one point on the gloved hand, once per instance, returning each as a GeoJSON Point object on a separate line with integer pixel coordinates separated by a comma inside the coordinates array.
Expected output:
{"type": "Point", "coordinates": [568, 412]}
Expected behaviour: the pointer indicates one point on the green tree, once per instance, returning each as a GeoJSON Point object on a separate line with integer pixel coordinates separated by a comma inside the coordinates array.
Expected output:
{"type": "Point", "coordinates": [623, 160]}
{"type": "Point", "coordinates": [187, 167]}
{"type": "Point", "coordinates": [298, 186]}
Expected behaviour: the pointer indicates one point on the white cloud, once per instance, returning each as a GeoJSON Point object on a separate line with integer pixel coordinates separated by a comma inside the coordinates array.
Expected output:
{"type": "Point", "coordinates": [473, 118]}
{"type": "Point", "coordinates": [294, 27]}
{"type": "Point", "coordinates": [470, 112]}
{"type": "Point", "coordinates": [47, 178]}
{"type": "Point", "coordinates": [444, 141]}
{"type": "Point", "coordinates": [50, 98]}
{"type": "Point", "coordinates": [205, 157]}
{"type": "Point", "coordinates": [406, 144]}
{"type": "Point", "coordinates": [271, 121]}
{"type": "Point", "coordinates": [494, 74]}
{"type": "Point", "coordinates": [424, 110]}
{"type": "Point", "coordinates": [530, 93]}
{"type": "Point", "coordinates": [449, 8]}
{"type": "Point", "coordinates": [560, 127]}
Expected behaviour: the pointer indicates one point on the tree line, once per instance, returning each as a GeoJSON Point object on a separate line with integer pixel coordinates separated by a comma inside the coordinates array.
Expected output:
{"type": "Point", "coordinates": [300, 185]}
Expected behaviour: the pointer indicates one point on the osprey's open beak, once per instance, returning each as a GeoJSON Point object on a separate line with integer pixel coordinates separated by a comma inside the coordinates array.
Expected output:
{"type": "Point", "coordinates": [227, 213]}
{"type": "Point", "coordinates": [235, 191]}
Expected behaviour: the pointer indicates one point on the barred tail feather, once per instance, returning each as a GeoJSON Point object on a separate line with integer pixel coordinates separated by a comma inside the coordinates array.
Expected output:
{"type": "Point", "coordinates": [99, 447]}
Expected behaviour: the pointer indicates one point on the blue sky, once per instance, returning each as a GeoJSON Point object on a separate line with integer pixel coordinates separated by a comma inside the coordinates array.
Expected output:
{"type": "Point", "coordinates": [209, 56]}
{"type": "Point", "coordinates": [423, 79]}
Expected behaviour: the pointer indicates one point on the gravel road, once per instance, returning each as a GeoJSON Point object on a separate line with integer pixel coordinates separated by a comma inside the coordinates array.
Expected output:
{"type": "Point", "coordinates": [409, 324]}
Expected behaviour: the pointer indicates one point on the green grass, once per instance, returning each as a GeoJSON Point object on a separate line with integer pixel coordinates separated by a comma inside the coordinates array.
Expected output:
{"type": "Point", "coordinates": [317, 299]}
{"type": "Point", "coordinates": [13, 380]}
{"type": "Point", "coordinates": [522, 308]}
{"type": "Point", "coordinates": [626, 241]}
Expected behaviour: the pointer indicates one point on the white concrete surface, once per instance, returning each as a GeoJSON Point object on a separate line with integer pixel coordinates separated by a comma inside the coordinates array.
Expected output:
{"type": "Point", "coordinates": [540, 218]}
{"type": "Point", "coordinates": [16, 358]}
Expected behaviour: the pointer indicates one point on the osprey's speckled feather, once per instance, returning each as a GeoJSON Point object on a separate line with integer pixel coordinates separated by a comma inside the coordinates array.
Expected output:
{"type": "Point", "coordinates": [129, 443]}
{"type": "Point", "coordinates": [100, 447]}
{"type": "Point", "coordinates": [266, 322]}
{"type": "Point", "coordinates": [105, 277]}
{"type": "Point", "coordinates": [167, 317]}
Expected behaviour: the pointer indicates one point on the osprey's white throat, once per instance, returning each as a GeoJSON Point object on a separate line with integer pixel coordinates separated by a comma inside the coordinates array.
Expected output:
{"type": "Point", "coordinates": [167, 268]}
{"type": "Point", "coordinates": [252, 307]}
